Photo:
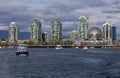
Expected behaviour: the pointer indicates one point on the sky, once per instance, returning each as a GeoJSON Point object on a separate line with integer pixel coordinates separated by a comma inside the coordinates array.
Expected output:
{"type": "Point", "coordinates": [68, 11]}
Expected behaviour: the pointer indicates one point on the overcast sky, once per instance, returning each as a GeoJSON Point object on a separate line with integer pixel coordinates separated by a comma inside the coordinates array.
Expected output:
{"type": "Point", "coordinates": [68, 11]}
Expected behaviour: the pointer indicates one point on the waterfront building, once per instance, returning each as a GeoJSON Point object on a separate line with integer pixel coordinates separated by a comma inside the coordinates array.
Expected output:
{"type": "Point", "coordinates": [107, 33]}
{"type": "Point", "coordinates": [45, 37]}
{"type": "Point", "coordinates": [35, 30]}
{"type": "Point", "coordinates": [82, 27]}
{"type": "Point", "coordinates": [94, 37]}
{"type": "Point", "coordinates": [13, 32]}
{"type": "Point", "coordinates": [74, 35]}
{"type": "Point", "coordinates": [56, 29]}
{"type": "Point", "coordinates": [114, 32]}
{"type": "Point", "coordinates": [94, 33]}
{"type": "Point", "coordinates": [114, 35]}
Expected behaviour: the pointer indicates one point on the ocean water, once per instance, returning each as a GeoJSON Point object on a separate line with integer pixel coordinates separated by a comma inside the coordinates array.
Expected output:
{"type": "Point", "coordinates": [65, 63]}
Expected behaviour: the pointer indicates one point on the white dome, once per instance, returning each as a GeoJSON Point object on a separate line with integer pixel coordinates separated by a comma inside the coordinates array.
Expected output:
{"type": "Point", "coordinates": [94, 31]}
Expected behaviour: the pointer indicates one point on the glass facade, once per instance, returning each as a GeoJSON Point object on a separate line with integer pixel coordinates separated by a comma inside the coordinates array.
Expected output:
{"type": "Point", "coordinates": [13, 32]}
{"type": "Point", "coordinates": [82, 27]}
{"type": "Point", "coordinates": [114, 32]}
{"type": "Point", "coordinates": [45, 37]}
{"type": "Point", "coordinates": [56, 29]}
{"type": "Point", "coordinates": [108, 33]}
{"type": "Point", "coordinates": [36, 30]}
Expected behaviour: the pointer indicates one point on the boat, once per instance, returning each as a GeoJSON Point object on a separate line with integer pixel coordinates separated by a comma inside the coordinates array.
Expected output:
{"type": "Point", "coordinates": [76, 47]}
{"type": "Point", "coordinates": [85, 48]}
{"type": "Point", "coordinates": [22, 50]}
{"type": "Point", "coordinates": [58, 47]}
{"type": "Point", "coordinates": [92, 47]}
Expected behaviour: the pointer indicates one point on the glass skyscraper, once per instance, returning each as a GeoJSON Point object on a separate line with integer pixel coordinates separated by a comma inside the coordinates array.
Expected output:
{"type": "Point", "coordinates": [107, 33]}
{"type": "Point", "coordinates": [114, 32]}
{"type": "Point", "coordinates": [36, 30]}
{"type": "Point", "coordinates": [82, 27]}
{"type": "Point", "coordinates": [13, 32]}
{"type": "Point", "coordinates": [56, 29]}
{"type": "Point", "coordinates": [45, 37]}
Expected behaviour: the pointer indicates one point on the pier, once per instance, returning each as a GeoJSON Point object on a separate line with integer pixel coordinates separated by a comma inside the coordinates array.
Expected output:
{"type": "Point", "coordinates": [70, 46]}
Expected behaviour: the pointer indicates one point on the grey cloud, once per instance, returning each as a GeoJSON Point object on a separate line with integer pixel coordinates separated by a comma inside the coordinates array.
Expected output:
{"type": "Point", "coordinates": [95, 3]}
{"type": "Point", "coordinates": [113, 8]}
{"type": "Point", "coordinates": [65, 10]}
{"type": "Point", "coordinates": [66, 7]}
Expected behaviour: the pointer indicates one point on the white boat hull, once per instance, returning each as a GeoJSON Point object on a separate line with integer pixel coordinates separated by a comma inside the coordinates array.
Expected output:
{"type": "Point", "coordinates": [85, 48]}
{"type": "Point", "coordinates": [58, 48]}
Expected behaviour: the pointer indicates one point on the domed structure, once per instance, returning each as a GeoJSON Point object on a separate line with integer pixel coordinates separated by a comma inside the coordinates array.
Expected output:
{"type": "Point", "coordinates": [94, 33]}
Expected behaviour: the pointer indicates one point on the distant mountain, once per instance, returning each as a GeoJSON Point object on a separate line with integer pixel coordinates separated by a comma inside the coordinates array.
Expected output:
{"type": "Point", "coordinates": [23, 35]}
{"type": "Point", "coordinates": [3, 34]}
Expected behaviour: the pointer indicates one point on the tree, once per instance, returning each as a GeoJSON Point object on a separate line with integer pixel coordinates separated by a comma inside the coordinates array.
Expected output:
{"type": "Point", "coordinates": [30, 42]}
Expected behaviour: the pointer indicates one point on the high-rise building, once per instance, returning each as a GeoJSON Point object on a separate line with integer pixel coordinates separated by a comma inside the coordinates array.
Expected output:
{"type": "Point", "coordinates": [56, 29]}
{"type": "Point", "coordinates": [36, 30]}
{"type": "Point", "coordinates": [107, 33]}
{"type": "Point", "coordinates": [82, 27]}
{"type": "Point", "coordinates": [45, 37]}
{"type": "Point", "coordinates": [13, 32]}
{"type": "Point", "coordinates": [74, 35]}
{"type": "Point", "coordinates": [114, 32]}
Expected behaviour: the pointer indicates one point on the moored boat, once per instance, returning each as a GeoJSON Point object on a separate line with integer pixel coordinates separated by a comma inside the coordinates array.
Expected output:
{"type": "Point", "coordinates": [58, 47]}
{"type": "Point", "coordinates": [85, 47]}
{"type": "Point", "coordinates": [76, 47]}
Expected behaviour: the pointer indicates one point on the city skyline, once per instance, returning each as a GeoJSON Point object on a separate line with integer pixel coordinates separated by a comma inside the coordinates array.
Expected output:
{"type": "Point", "coordinates": [22, 12]}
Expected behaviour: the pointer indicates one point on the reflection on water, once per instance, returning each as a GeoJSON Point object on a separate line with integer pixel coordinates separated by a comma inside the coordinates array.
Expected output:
{"type": "Point", "coordinates": [65, 63]}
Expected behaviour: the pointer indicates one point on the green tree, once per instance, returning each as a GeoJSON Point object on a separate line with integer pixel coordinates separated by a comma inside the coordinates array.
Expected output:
{"type": "Point", "coordinates": [30, 42]}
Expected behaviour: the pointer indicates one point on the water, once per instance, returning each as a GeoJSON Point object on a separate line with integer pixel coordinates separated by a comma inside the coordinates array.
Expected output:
{"type": "Point", "coordinates": [66, 63]}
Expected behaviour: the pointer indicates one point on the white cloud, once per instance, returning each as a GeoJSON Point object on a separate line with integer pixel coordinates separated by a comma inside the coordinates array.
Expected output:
{"type": "Point", "coordinates": [67, 24]}
{"type": "Point", "coordinates": [3, 28]}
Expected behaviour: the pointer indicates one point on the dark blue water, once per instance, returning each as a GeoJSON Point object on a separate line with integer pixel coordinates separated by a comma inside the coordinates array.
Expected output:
{"type": "Point", "coordinates": [66, 63]}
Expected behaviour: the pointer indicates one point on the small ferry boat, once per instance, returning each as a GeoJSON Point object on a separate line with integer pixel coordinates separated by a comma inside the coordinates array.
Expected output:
{"type": "Point", "coordinates": [58, 47]}
{"type": "Point", "coordinates": [22, 50]}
